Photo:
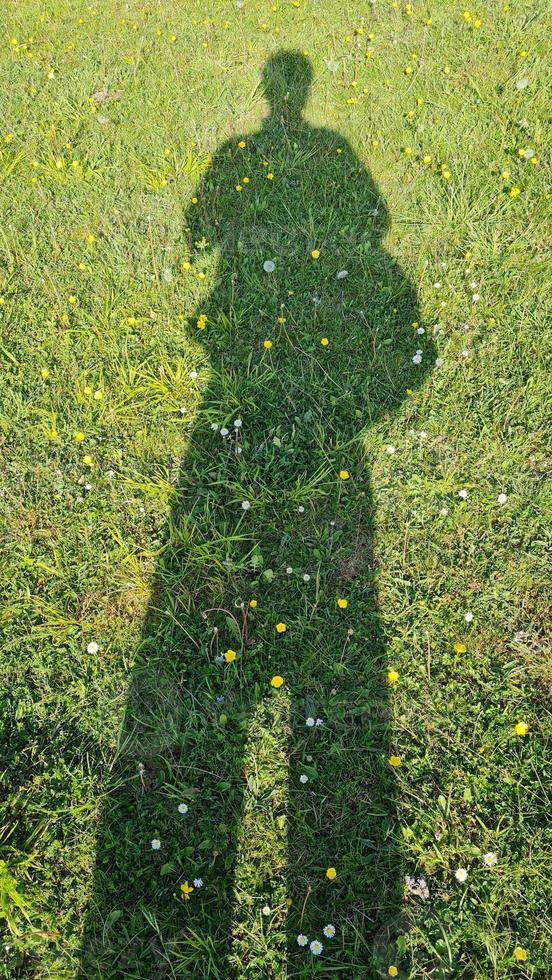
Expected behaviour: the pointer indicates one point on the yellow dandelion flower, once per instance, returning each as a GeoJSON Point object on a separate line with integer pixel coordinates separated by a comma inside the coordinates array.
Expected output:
{"type": "Point", "coordinates": [392, 676]}
{"type": "Point", "coordinates": [521, 728]}
{"type": "Point", "coordinates": [520, 954]}
{"type": "Point", "coordinates": [281, 627]}
{"type": "Point", "coordinates": [344, 474]}
{"type": "Point", "coordinates": [342, 603]}
{"type": "Point", "coordinates": [460, 648]}
{"type": "Point", "coordinates": [331, 874]}
{"type": "Point", "coordinates": [277, 681]}
{"type": "Point", "coordinates": [267, 344]}
{"type": "Point", "coordinates": [230, 656]}
{"type": "Point", "coordinates": [395, 761]}
{"type": "Point", "coordinates": [315, 254]}
{"type": "Point", "coordinates": [324, 341]}
{"type": "Point", "coordinates": [186, 890]}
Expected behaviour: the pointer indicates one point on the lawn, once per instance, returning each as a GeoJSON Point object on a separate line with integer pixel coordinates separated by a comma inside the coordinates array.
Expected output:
{"type": "Point", "coordinates": [275, 520]}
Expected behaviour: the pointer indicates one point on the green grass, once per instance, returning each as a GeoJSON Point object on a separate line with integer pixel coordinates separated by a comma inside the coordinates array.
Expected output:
{"type": "Point", "coordinates": [121, 226]}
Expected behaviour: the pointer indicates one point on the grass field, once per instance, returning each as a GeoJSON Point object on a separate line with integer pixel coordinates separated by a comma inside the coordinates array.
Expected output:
{"type": "Point", "coordinates": [275, 407]}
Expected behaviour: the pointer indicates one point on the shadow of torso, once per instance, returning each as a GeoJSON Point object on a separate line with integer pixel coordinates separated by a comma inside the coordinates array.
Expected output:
{"type": "Point", "coordinates": [250, 503]}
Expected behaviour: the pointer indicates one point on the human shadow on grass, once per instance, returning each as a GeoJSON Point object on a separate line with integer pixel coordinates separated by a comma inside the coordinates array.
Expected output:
{"type": "Point", "coordinates": [308, 334]}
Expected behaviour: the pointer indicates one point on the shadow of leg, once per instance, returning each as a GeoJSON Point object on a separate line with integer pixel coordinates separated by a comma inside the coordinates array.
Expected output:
{"type": "Point", "coordinates": [341, 785]}
{"type": "Point", "coordinates": [171, 809]}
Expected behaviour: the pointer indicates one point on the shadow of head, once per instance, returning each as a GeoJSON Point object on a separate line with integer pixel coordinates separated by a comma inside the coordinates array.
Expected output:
{"type": "Point", "coordinates": [286, 81]}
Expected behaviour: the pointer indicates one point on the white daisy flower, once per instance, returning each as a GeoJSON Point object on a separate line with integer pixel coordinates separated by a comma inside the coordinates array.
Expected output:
{"type": "Point", "coordinates": [390, 450]}
{"type": "Point", "coordinates": [463, 494]}
{"type": "Point", "coordinates": [468, 617]}
{"type": "Point", "coordinates": [443, 512]}
{"type": "Point", "coordinates": [490, 859]}
{"type": "Point", "coordinates": [303, 779]}
{"type": "Point", "coordinates": [316, 947]}
{"type": "Point", "coordinates": [269, 265]}
{"type": "Point", "coordinates": [439, 361]}
{"type": "Point", "coordinates": [502, 498]}
{"type": "Point", "coordinates": [245, 505]}
{"type": "Point", "coordinates": [461, 874]}
{"type": "Point", "coordinates": [92, 647]}
{"type": "Point", "coordinates": [224, 431]}
{"type": "Point", "coordinates": [309, 722]}
{"type": "Point", "coordinates": [319, 720]}
{"type": "Point", "coordinates": [306, 578]}
{"type": "Point", "coordinates": [417, 359]}
{"type": "Point", "coordinates": [329, 931]}
{"type": "Point", "coordinates": [155, 844]}
{"type": "Point", "coordinates": [302, 940]}
{"type": "Point", "coordinates": [238, 423]}
{"type": "Point", "coordinates": [182, 807]}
